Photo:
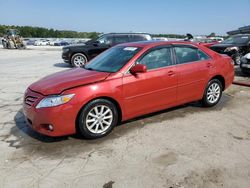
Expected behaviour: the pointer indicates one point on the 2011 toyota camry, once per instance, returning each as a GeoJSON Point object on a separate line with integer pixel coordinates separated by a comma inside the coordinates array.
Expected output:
{"type": "Point", "coordinates": [124, 82]}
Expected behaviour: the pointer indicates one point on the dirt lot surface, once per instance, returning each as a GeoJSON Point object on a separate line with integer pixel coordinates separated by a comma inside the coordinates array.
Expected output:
{"type": "Point", "coordinates": [187, 146]}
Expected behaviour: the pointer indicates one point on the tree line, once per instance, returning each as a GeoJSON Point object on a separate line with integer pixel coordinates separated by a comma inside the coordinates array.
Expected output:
{"type": "Point", "coordinates": [40, 32]}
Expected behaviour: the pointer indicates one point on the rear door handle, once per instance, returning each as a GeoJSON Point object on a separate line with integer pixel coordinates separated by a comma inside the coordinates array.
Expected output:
{"type": "Point", "coordinates": [209, 65]}
{"type": "Point", "coordinates": [170, 73]}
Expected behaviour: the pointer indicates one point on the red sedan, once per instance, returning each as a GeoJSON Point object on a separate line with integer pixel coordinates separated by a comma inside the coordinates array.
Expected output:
{"type": "Point", "coordinates": [124, 82]}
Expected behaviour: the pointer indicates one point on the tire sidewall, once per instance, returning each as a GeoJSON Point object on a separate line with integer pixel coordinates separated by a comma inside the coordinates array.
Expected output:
{"type": "Point", "coordinates": [205, 100]}
{"type": "Point", "coordinates": [81, 122]}
{"type": "Point", "coordinates": [237, 55]}
{"type": "Point", "coordinates": [75, 55]}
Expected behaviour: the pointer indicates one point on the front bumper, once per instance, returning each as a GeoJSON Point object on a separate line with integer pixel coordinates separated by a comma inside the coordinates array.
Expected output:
{"type": "Point", "coordinates": [245, 68]}
{"type": "Point", "coordinates": [66, 56]}
{"type": "Point", "coordinates": [61, 118]}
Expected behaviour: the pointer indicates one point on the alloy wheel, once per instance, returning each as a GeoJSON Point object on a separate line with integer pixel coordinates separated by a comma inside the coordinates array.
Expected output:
{"type": "Point", "coordinates": [213, 93]}
{"type": "Point", "coordinates": [79, 61]}
{"type": "Point", "coordinates": [99, 119]}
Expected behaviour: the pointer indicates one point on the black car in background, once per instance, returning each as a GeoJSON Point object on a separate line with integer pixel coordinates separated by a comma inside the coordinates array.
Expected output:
{"type": "Point", "coordinates": [78, 55]}
{"type": "Point", "coordinates": [245, 64]}
{"type": "Point", "coordinates": [235, 46]}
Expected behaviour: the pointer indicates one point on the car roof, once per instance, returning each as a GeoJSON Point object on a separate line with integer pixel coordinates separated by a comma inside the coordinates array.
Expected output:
{"type": "Point", "coordinates": [154, 43]}
{"type": "Point", "coordinates": [126, 33]}
{"type": "Point", "coordinates": [246, 34]}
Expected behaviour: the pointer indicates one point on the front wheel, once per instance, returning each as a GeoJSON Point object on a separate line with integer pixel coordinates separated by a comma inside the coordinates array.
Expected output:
{"type": "Point", "coordinates": [212, 93]}
{"type": "Point", "coordinates": [237, 58]}
{"type": "Point", "coordinates": [78, 60]}
{"type": "Point", "coordinates": [97, 119]}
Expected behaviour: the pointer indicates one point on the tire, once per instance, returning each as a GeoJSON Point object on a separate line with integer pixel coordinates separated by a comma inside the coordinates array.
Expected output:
{"type": "Point", "coordinates": [91, 124]}
{"type": "Point", "coordinates": [212, 94]}
{"type": "Point", "coordinates": [78, 60]}
{"type": "Point", "coordinates": [237, 59]}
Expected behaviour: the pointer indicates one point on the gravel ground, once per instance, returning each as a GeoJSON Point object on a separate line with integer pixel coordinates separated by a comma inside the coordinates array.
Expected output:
{"type": "Point", "coordinates": [186, 146]}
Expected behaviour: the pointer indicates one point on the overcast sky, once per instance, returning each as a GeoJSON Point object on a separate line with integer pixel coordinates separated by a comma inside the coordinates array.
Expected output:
{"type": "Point", "coordinates": [153, 16]}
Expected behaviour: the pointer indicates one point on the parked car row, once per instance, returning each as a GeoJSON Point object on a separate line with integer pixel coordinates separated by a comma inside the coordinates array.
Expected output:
{"type": "Point", "coordinates": [53, 42]}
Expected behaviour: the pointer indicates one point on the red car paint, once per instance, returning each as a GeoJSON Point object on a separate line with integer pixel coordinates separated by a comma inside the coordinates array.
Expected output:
{"type": "Point", "coordinates": [208, 44]}
{"type": "Point", "coordinates": [144, 93]}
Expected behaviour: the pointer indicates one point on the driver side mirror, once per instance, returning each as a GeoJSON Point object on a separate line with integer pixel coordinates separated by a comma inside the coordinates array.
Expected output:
{"type": "Point", "coordinates": [138, 68]}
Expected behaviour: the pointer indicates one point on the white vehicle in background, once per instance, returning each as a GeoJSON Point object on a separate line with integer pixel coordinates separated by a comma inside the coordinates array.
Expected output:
{"type": "Point", "coordinates": [218, 39]}
{"type": "Point", "coordinates": [160, 38]}
{"type": "Point", "coordinates": [53, 41]}
{"type": "Point", "coordinates": [41, 43]}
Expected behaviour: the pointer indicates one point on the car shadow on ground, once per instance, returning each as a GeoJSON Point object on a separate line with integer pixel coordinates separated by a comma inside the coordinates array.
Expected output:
{"type": "Point", "coordinates": [62, 65]}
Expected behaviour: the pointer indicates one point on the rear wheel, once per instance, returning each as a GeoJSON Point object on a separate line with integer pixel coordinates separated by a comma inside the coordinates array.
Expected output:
{"type": "Point", "coordinates": [97, 119]}
{"type": "Point", "coordinates": [212, 93]}
{"type": "Point", "coordinates": [78, 60]}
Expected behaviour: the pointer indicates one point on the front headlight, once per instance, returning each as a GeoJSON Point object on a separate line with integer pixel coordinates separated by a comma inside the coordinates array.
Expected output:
{"type": "Point", "coordinates": [56, 100]}
{"type": "Point", "coordinates": [65, 50]}
{"type": "Point", "coordinates": [243, 60]}
{"type": "Point", "coordinates": [228, 49]}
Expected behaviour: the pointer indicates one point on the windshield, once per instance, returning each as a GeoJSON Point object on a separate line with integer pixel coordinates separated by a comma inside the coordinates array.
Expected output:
{"type": "Point", "coordinates": [237, 39]}
{"type": "Point", "coordinates": [112, 59]}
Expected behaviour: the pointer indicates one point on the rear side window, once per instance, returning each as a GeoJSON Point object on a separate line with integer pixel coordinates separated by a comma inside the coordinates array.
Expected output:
{"type": "Point", "coordinates": [135, 38]}
{"type": "Point", "coordinates": [157, 58]}
{"type": "Point", "coordinates": [202, 55]}
{"type": "Point", "coordinates": [185, 54]}
{"type": "Point", "coordinates": [121, 39]}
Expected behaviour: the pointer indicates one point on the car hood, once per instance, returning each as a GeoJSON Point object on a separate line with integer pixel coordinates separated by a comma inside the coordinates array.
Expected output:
{"type": "Point", "coordinates": [58, 82]}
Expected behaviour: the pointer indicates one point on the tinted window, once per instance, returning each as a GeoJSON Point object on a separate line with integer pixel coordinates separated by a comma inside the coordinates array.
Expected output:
{"type": "Point", "coordinates": [121, 39]}
{"type": "Point", "coordinates": [237, 39]}
{"type": "Point", "coordinates": [189, 54]}
{"type": "Point", "coordinates": [112, 59]}
{"type": "Point", "coordinates": [157, 58]}
{"type": "Point", "coordinates": [135, 38]}
{"type": "Point", "coordinates": [105, 39]}
{"type": "Point", "coordinates": [202, 55]}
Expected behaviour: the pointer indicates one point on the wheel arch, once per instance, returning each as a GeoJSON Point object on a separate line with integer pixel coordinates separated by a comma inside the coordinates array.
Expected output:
{"type": "Point", "coordinates": [83, 53]}
{"type": "Point", "coordinates": [114, 101]}
{"type": "Point", "coordinates": [221, 79]}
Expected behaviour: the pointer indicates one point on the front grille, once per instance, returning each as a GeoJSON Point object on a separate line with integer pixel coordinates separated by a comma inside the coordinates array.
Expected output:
{"type": "Point", "coordinates": [30, 100]}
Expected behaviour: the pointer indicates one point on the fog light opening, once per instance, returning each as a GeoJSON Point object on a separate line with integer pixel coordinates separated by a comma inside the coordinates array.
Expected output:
{"type": "Point", "coordinates": [48, 127]}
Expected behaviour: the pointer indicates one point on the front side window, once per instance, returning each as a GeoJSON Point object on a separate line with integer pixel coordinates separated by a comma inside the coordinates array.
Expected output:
{"type": "Point", "coordinates": [112, 59]}
{"type": "Point", "coordinates": [185, 54]}
{"type": "Point", "coordinates": [105, 40]}
{"type": "Point", "coordinates": [157, 58]}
